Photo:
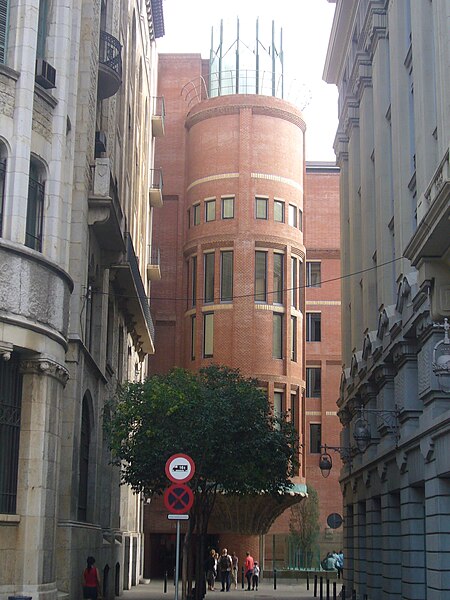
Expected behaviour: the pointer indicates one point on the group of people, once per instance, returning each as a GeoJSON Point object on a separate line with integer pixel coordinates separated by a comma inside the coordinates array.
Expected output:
{"type": "Point", "coordinates": [225, 568]}
{"type": "Point", "coordinates": [334, 561]}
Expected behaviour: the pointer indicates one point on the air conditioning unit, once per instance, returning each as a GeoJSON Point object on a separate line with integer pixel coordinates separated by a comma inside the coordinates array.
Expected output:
{"type": "Point", "coordinates": [45, 74]}
{"type": "Point", "coordinates": [100, 143]}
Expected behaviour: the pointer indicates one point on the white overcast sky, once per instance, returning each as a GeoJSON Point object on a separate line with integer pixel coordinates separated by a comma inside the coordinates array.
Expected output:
{"type": "Point", "coordinates": [306, 28]}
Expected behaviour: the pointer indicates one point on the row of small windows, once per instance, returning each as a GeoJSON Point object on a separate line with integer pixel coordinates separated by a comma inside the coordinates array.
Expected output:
{"type": "Point", "coordinates": [294, 214]}
{"type": "Point", "coordinates": [277, 336]}
{"type": "Point", "coordinates": [262, 278]}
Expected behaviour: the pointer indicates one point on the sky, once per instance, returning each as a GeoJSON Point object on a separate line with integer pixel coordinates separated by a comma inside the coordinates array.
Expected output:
{"type": "Point", "coordinates": [306, 29]}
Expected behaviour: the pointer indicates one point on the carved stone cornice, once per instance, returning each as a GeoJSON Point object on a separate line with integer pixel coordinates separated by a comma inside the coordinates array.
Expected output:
{"type": "Point", "coordinates": [45, 366]}
{"type": "Point", "coordinates": [403, 352]}
{"type": "Point", "coordinates": [383, 374]}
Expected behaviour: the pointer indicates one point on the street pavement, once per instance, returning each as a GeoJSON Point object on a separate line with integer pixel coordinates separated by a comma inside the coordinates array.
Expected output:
{"type": "Point", "coordinates": [286, 590]}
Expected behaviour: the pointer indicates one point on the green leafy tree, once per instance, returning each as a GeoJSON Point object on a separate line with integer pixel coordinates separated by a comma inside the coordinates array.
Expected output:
{"type": "Point", "coordinates": [304, 526]}
{"type": "Point", "coordinates": [219, 418]}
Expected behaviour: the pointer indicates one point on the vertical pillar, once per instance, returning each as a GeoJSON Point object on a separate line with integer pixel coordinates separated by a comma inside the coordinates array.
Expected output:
{"type": "Point", "coordinates": [391, 554]}
{"type": "Point", "coordinates": [437, 509]}
{"type": "Point", "coordinates": [374, 546]}
{"type": "Point", "coordinates": [39, 458]}
{"type": "Point", "coordinates": [360, 564]}
{"type": "Point", "coordinates": [413, 542]}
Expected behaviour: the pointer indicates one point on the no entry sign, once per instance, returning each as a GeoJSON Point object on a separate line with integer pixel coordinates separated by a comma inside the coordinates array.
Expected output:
{"type": "Point", "coordinates": [178, 498]}
{"type": "Point", "coordinates": [180, 468]}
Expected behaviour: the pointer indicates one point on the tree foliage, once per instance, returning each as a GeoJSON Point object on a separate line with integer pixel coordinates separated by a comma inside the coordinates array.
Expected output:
{"type": "Point", "coordinates": [216, 416]}
{"type": "Point", "coordinates": [304, 525]}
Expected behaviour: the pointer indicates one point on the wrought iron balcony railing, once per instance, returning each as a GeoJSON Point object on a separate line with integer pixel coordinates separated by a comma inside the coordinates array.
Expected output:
{"type": "Point", "coordinates": [110, 65]}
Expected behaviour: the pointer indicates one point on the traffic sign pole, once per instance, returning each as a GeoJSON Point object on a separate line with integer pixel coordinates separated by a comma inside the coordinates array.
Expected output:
{"type": "Point", "coordinates": [177, 559]}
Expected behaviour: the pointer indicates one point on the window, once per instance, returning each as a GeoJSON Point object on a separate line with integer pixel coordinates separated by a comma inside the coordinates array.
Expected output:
{"type": "Point", "coordinates": [208, 335]}
{"type": "Point", "coordinates": [292, 215]}
{"type": "Point", "coordinates": [278, 211]}
{"type": "Point", "coordinates": [294, 409]}
{"type": "Point", "coordinates": [196, 214]}
{"type": "Point", "coordinates": [313, 274]}
{"type": "Point", "coordinates": [277, 403]}
{"type": "Point", "coordinates": [313, 327]}
{"type": "Point", "coordinates": [260, 276]}
{"type": "Point", "coordinates": [2, 189]}
{"type": "Point", "coordinates": [226, 276]}
{"type": "Point", "coordinates": [193, 335]}
{"type": "Point", "coordinates": [42, 28]}
{"type": "Point", "coordinates": [3, 30]}
{"type": "Point", "coordinates": [10, 409]}
{"type": "Point", "coordinates": [294, 339]}
{"type": "Point", "coordinates": [210, 210]}
{"type": "Point", "coordinates": [194, 281]}
{"type": "Point", "coordinates": [85, 441]}
{"type": "Point", "coordinates": [300, 219]}
{"type": "Point", "coordinates": [261, 208]}
{"type": "Point", "coordinates": [278, 278]}
{"type": "Point", "coordinates": [35, 209]}
{"type": "Point", "coordinates": [209, 277]}
{"type": "Point", "coordinates": [313, 382]}
{"type": "Point", "coordinates": [315, 438]}
{"type": "Point", "coordinates": [189, 218]}
{"type": "Point", "coordinates": [277, 341]}
{"type": "Point", "coordinates": [294, 282]}
{"type": "Point", "coordinates": [228, 208]}
{"type": "Point", "coordinates": [110, 334]}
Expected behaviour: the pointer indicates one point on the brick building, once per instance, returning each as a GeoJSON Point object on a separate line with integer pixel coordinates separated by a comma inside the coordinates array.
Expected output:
{"type": "Point", "coordinates": [230, 236]}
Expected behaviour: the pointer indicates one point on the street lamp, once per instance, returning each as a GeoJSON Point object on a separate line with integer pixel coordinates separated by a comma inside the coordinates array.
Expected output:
{"type": "Point", "coordinates": [361, 430]}
{"type": "Point", "coordinates": [326, 462]}
{"type": "Point", "coordinates": [441, 360]}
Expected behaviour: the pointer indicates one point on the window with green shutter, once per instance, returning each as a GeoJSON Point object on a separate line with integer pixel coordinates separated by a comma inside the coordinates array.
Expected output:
{"type": "Point", "coordinates": [4, 17]}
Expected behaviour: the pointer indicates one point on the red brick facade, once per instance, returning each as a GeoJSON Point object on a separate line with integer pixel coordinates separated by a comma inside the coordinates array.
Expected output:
{"type": "Point", "coordinates": [219, 156]}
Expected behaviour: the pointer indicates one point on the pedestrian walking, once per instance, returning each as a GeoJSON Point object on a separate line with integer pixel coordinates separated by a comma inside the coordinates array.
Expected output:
{"type": "Point", "coordinates": [234, 570]}
{"type": "Point", "coordinates": [340, 564]}
{"type": "Point", "coordinates": [211, 569]}
{"type": "Point", "coordinates": [255, 577]}
{"type": "Point", "coordinates": [225, 565]}
{"type": "Point", "coordinates": [249, 565]}
{"type": "Point", "coordinates": [91, 580]}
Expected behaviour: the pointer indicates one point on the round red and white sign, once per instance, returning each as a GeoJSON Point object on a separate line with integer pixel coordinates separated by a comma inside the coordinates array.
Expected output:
{"type": "Point", "coordinates": [180, 468]}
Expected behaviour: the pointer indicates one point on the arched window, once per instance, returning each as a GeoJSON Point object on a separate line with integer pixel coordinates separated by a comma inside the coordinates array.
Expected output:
{"type": "Point", "coordinates": [85, 443]}
{"type": "Point", "coordinates": [35, 206]}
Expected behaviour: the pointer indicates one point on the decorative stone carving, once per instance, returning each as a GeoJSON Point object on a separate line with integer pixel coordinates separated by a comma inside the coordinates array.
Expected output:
{"type": "Point", "coordinates": [45, 366]}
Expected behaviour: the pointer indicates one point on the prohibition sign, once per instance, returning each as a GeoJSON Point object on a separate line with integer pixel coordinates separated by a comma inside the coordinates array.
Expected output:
{"type": "Point", "coordinates": [178, 498]}
{"type": "Point", "coordinates": [180, 468]}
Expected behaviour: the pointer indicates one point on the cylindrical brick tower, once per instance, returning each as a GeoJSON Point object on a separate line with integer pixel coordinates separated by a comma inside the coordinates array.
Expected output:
{"type": "Point", "coordinates": [232, 253]}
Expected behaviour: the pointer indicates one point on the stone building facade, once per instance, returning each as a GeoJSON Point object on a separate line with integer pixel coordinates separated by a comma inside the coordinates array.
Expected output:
{"type": "Point", "coordinates": [389, 59]}
{"type": "Point", "coordinates": [78, 117]}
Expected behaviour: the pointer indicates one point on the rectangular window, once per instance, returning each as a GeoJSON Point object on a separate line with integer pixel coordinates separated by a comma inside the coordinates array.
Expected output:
{"type": "Point", "coordinates": [260, 276]}
{"type": "Point", "coordinates": [228, 208]}
{"type": "Point", "coordinates": [277, 404]}
{"type": "Point", "coordinates": [35, 214]}
{"type": "Point", "coordinates": [210, 210]}
{"type": "Point", "coordinates": [292, 219]}
{"type": "Point", "coordinates": [294, 339]}
{"type": "Point", "coordinates": [278, 262]}
{"type": "Point", "coordinates": [209, 277]}
{"type": "Point", "coordinates": [278, 211]}
{"type": "Point", "coordinates": [194, 281]}
{"type": "Point", "coordinates": [4, 26]}
{"type": "Point", "coordinates": [300, 219]}
{"type": "Point", "coordinates": [193, 335]}
{"type": "Point", "coordinates": [315, 438]}
{"type": "Point", "coordinates": [42, 28]}
{"type": "Point", "coordinates": [313, 382]}
{"type": "Point", "coordinates": [196, 214]}
{"type": "Point", "coordinates": [226, 276]}
{"type": "Point", "coordinates": [189, 218]}
{"type": "Point", "coordinates": [2, 190]}
{"type": "Point", "coordinates": [294, 282]}
{"type": "Point", "coordinates": [261, 208]}
{"type": "Point", "coordinates": [313, 274]}
{"type": "Point", "coordinates": [277, 342]}
{"type": "Point", "coordinates": [10, 409]}
{"type": "Point", "coordinates": [294, 409]}
{"type": "Point", "coordinates": [208, 335]}
{"type": "Point", "coordinates": [313, 333]}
